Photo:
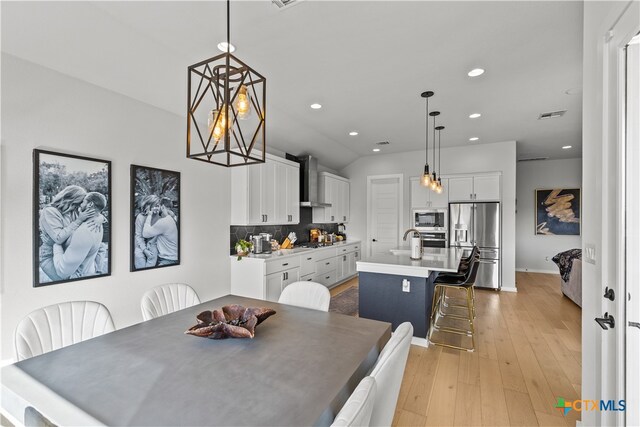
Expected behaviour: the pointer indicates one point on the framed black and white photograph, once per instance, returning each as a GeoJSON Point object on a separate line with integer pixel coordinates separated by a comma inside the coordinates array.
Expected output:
{"type": "Point", "coordinates": [155, 218]}
{"type": "Point", "coordinates": [558, 212]}
{"type": "Point", "coordinates": [71, 218]}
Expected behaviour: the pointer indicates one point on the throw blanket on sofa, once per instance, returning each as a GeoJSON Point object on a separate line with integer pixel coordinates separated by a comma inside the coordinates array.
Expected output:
{"type": "Point", "coordinates": [564, 260]}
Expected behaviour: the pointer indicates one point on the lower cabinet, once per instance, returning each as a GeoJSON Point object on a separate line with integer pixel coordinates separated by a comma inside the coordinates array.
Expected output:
{"type": "Point", "coordinates": [276, 282]}
{"type": "Point", "coordinates": [267, 278]}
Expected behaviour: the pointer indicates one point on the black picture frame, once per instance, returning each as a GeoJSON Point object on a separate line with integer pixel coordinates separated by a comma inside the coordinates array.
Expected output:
{"type": "Point", "coordinates": [59, 181]}
{"type": "Point", "coordinates": [153, 187]}
{"type": "Point", "coordinates": [558, 212]}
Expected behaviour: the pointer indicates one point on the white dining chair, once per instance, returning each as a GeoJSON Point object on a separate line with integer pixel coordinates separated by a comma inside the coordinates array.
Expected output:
{"type": "Point", "coordinates": [388, 373]}
{"type": "Point", "coordinates": [307, 295]}
{"type": "Point", "coordinates": [165, 299]}
{"type": "Point", "coordinates": [357, 410]}
{"type": "Point", "coordinates": [60, 325]}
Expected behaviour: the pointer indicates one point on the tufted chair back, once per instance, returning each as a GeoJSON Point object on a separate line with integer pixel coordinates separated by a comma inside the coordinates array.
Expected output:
{"type": "Point", "coordinates": [307, 295]}
{"type": "Point", "coordinates": [166, 299]}
{"type": "Point", "coordinates": [60, 325]}
{"type": "Point", "coordinates": [388, 374]}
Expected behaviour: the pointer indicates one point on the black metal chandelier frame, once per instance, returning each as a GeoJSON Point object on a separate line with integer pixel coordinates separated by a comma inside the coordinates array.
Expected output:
{"type": "Point", "coordinates": [217, 82]}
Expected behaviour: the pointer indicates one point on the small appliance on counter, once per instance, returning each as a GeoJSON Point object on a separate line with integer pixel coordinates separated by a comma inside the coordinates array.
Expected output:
{"type": "Point", "coordinates": [341, 233]}
{"type": "Point", "coordinates": [261, 243]}
{"type": "Point", "coordinates": [314, 235]}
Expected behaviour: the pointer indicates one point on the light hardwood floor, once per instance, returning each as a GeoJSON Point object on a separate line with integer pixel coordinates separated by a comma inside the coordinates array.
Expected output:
{"type": "Point", "coordinates": [528, 354]}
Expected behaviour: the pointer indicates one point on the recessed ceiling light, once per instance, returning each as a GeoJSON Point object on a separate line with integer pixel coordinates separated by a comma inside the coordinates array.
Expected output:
{"type": "Point", "coordinates": [474, 115]}
{"type": "Point", "coordinates": [475, 72]}
{"type": "Point", "coordinates": [566, 147]}
{"type": "Point", "coordinates": [353, 133]}
{"type": "Point", "coordinates": [474, 138]}
{"type": "Point", "coordinates": [316, 106]}
{"type": "Point", "coordinates": [375, 150]}
{"type": "Point", "coordinates": [223, 46]}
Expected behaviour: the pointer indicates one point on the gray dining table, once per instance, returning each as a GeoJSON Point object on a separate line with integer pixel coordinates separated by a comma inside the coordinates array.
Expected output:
{"type": "Point", "coordinates": [299, 369]}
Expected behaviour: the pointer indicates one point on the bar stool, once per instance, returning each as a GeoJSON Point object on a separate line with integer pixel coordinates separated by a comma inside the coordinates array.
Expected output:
{"type": "Point", "coordinates": [461, 274]}
{"type": "Point", "coordinates": [465, 284]}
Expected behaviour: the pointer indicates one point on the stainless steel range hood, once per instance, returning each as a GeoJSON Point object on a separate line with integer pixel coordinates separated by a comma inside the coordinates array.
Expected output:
{"type": "Point", "coordinates": [308, 181]}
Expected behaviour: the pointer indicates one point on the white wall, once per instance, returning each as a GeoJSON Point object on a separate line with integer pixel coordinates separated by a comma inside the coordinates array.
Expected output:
{"type": "Point", "coordinates": [45, 109]}
{"type": "Point", "coordinates": [472, 158]}
{"type": "Point", "coordinates": [532, 251]}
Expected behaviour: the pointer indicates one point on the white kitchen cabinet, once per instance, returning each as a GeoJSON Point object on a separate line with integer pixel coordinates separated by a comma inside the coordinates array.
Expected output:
{"type": "Point", "coordinates": [265, 194]}
{"type": "Point", "coordinates": [342, 267]}
{"type": "Point", "coordinates": [485, 187]}
{"type": "Point", "coordinates": [293, 194]}
{"type": "Point", "coordinates": [335, 190]}
{"type": "Point", "coordinates": [423, 197]}
{"type": "Point", "coordinates": [276, 282]}
{"type": "Point", "coordinates": [461, 188]}
{"type": "Point", "coordinates": [265, 278]}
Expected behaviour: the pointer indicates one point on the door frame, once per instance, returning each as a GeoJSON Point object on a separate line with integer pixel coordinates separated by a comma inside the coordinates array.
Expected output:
{"type": "Point", "coordinates": [370, 179]}
{"type": "Point", "coordinates": [612, 379]}
{"type": "Point", "coordinates": [632, 252]}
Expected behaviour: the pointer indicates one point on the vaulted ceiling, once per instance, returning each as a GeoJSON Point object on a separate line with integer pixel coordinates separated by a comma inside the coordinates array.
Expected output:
{"type": "Point", "coordinates": [366, 62]}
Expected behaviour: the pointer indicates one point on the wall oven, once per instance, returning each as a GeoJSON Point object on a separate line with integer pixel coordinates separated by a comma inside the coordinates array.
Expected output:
{"type": "Point", "coordinates": [428, 220]}
{"type": "Point", "coordinates": [434, 239]}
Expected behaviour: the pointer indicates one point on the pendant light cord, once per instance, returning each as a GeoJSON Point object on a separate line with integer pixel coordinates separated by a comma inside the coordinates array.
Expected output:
{"type": "Point", "coordinates": [434, 144]}
{"type": "Point", "coordinates": [426, 131]}
{"type": "Point", "coordinates": [228, 26]}
{"type": "Point", "coordinates": [439, 153]}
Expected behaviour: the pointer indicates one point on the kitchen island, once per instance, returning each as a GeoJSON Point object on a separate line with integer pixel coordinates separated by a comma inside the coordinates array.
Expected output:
{"type": "Point", "coordinates": [397, 289]}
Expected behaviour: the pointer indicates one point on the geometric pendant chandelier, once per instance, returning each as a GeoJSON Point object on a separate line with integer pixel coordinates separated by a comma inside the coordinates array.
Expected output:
{"type": "Point", "coordinates": [226, 111]}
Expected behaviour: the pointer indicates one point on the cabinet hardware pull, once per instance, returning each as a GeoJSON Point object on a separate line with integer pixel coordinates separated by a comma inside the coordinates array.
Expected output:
{"type": "Point", "coordinates": [286, 263]}
{"type": "Point", "coordinates": [327, 263]}
{"type": "Point", "coordinates": [309, 259]}
{"type": "Point", "coordinates": [327, 277]}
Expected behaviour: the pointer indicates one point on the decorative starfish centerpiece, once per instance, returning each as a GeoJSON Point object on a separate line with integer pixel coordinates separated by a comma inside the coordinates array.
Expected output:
{"type": "Point", "coordinates": [233, 321]}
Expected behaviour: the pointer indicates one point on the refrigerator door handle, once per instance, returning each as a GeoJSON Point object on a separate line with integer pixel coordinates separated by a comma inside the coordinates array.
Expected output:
{"type": "Point", "coordinates": [482, 261]}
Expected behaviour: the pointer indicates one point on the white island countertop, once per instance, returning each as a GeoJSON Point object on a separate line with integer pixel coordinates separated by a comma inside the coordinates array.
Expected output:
{"type": "Point", "coordinates": [434, 259]}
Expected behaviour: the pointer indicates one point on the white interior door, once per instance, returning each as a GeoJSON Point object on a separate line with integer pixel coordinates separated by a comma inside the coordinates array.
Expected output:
{"type": "Point", "coordinates": [633, 233]}
{"type": "Point", "coordinates": [384, 196]}
{"type": "Point", "coordinates": [611, 345]}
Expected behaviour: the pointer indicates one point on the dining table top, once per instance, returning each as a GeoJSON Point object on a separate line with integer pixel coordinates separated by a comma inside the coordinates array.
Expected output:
{"type": "Point", "coordinates": [299, 369]}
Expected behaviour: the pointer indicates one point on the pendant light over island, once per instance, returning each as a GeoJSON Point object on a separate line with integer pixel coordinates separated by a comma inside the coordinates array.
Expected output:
{"type": "Point", "coordinates": [428, 179]}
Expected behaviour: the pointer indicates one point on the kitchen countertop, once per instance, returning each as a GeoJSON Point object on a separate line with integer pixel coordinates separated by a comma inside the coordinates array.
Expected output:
{"type": "Point", "coordinates": [434, 259]}
{"type": "Point", "coordinates": [284, 253]}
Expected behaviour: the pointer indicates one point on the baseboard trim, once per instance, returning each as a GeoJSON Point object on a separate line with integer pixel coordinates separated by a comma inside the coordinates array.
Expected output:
{"type": "Point", "coordinates": [422, 342]}
{"type": "Point", "coordinates": [509, 290]}
{"type": "Point", "coordinates": [533, 270]}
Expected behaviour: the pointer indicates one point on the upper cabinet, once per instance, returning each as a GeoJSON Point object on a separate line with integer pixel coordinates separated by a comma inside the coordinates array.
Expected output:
{"type": "Point", "coordinates": [484, 187]}
{"type": "Point", "coordinates": [266, 194]}
{"type": "Point", "coordinates": [423, 197]}
{"type": "Point", "coordinates": [332, 189]}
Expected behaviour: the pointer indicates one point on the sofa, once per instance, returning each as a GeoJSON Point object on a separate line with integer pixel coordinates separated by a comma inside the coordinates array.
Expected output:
{"type": "Point", "coordinates": [570, 265]}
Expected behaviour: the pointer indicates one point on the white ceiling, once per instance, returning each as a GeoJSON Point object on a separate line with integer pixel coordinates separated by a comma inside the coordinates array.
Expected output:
{"type": "Point", "coordinates": [365, 62]}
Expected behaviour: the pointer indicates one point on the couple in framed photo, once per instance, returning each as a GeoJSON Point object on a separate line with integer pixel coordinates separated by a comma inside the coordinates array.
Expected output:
{"type": "Point", "coordinates": [72, 218]}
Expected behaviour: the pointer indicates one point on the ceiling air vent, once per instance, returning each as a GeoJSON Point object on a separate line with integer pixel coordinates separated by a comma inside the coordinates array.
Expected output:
{"type": "Point", "coordinates": [533, 159]}
{"type": "Point", "coordinates": [551, 115]}
{"type": "Point", "coordinates": [382, 143]}
{"type": "Point", "coordinates": [284, 4]}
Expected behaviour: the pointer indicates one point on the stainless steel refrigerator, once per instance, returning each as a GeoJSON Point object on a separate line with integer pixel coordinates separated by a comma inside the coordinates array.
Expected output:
{"type": "Point", "coordinates": [478, 224]}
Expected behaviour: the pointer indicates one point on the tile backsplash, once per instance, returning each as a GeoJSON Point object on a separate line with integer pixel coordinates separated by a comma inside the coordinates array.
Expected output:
{"type": "Point", "coordinates": [279, 232]}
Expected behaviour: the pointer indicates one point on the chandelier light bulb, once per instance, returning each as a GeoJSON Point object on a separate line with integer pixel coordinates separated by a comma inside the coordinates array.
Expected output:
{"type": "Point", "coordinates": [243, 103]}
{"type": "Point", "coordinates": [218, 124]}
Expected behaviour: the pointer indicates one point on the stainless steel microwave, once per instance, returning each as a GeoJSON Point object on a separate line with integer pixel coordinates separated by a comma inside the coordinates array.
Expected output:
{"type": "Point", "coordinates": [430, 219]}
